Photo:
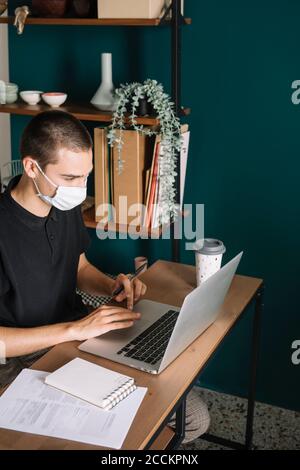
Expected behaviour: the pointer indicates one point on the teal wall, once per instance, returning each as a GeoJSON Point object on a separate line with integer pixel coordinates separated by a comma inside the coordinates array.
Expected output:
{"type": "Point", "coordinates": [239, 60]}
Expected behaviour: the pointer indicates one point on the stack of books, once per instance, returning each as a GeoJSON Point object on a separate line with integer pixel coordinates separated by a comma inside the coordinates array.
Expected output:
{"type": "Point", "coordinates": [132, 195]}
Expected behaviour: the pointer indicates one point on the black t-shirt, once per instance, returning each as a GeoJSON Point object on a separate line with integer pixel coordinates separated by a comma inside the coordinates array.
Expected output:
{"type": "Point", "coordinates": [38, 264]}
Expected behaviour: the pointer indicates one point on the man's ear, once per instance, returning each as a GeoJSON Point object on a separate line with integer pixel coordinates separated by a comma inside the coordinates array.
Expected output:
{"type": "Point", "coordinates": [29, 167]}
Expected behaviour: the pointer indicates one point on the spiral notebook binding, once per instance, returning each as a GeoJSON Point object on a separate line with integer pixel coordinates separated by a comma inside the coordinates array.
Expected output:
{"type": "Point", "coordinates": [118, 395]}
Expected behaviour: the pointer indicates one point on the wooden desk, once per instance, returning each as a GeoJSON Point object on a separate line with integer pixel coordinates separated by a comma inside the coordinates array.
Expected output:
{"type": "Point", "coordinates": [167, 282]}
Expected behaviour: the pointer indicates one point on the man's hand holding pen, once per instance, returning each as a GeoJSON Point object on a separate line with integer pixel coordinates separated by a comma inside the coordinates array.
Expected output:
{"type": "Point", "coordinates": [130, 288]}
{"type": "Point", "coordinates": [108, 318]}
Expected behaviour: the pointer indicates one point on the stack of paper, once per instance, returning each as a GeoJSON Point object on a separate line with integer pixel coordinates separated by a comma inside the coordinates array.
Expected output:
{"type": "Point", "coordinates": [29, 405]}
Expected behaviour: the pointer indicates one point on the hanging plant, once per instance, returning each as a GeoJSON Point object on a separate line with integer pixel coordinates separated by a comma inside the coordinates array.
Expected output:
{"type": "Point", "coordinates": [128, 98]}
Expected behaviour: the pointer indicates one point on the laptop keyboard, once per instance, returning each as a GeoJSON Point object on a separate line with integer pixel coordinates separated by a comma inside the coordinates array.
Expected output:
{"type": "Point", "coordinates": [151, 344]}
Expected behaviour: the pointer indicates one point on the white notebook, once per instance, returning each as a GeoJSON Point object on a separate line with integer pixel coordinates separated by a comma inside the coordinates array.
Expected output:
{"type": "Point", "coordinates": [92, 383]}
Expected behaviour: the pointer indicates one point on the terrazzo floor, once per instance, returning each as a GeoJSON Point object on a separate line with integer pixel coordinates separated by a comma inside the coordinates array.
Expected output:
{"type": "Point", "coordinates": [274, 428]}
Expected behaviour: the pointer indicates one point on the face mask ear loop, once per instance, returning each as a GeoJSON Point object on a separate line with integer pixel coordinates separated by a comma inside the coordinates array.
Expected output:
{"type": "Point", "coordinates": [37, 188]}
{"type": "Point", "coordinates": [48, 179]}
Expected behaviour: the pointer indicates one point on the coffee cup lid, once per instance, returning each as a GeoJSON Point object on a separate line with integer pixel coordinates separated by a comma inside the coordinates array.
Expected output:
{"type": "Point", "coordinates": [210, 246]}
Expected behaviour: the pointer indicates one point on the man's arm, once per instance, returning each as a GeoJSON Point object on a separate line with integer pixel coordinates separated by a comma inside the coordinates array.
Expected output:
{"type": "Point", "coordinates": [20, 341]}
{"type": "Point", "coordinates": [92, 280]}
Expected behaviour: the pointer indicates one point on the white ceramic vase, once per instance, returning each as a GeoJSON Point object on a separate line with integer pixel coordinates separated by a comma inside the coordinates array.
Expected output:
{"type": "Point", "coordinates": [104, 97]}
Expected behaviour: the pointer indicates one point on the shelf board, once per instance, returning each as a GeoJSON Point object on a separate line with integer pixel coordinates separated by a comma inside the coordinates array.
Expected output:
{"type": "Point", "coordinates": [89, 21]}
{"type": "Point", "coordinates": [84, 112]}
{"type": "Point", "coordinates": [89, 221]}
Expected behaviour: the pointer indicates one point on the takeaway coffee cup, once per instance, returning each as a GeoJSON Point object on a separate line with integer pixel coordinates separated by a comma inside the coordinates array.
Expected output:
{"type": "Point", "coordinates": [208, 253]}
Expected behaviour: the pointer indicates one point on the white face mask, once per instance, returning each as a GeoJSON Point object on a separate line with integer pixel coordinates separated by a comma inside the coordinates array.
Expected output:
{"type": "Point", "coordinates": [66, 197]}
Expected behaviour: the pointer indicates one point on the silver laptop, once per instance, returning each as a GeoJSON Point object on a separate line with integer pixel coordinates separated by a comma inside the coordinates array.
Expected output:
{"type": "Point", "coordinates": [164, 330]}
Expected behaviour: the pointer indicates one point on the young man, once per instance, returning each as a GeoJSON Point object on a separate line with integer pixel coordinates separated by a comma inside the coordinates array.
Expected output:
{"type": "Point", "coordinates": [43, 240]}
{"type": "Point", "coordinates": [42, 250]}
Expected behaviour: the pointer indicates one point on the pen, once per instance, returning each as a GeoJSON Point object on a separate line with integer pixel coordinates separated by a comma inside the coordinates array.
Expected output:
{"type": "Point", "coordinates": [119, 290]}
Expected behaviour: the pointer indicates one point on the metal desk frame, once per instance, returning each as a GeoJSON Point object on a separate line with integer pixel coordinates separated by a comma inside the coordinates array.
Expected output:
{"type": "Point", "coordinates": [180, 407]}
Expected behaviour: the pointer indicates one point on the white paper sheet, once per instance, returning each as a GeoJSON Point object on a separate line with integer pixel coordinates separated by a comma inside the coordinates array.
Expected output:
{"type": "Point", "coordinates": [29, 405]}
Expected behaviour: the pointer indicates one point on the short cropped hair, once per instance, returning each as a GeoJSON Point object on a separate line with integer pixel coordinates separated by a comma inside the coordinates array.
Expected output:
{"type": "Point", "coordinates": [50, 131]}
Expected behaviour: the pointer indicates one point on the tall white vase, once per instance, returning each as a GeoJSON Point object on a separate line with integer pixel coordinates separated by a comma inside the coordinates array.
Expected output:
{"type": "Point", "coordinates": [104, 96]}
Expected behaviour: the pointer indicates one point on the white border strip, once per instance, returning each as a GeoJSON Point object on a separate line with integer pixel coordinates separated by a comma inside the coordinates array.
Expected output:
{"type": "Point", "coordinates": [5, 140]}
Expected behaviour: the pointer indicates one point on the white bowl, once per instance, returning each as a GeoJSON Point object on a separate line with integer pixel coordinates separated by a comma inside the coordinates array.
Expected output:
{"type": "Point", "coordinates": [31, 97]}
{"type": "Point", "coordinates": [11, 87]}
{"type": "Point", "coordinates": [54, 99]}
{"type": "Point", "coordinates": [11, 97]}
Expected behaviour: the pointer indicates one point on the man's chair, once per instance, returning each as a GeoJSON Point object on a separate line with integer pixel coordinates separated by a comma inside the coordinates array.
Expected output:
{"type": "Point", "coordinates": [9, 170]}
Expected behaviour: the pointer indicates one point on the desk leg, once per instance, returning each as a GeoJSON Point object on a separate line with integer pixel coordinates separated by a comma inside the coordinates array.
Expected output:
{"type": "Point", "coordinates": [180, 426]}
{"type": "Point", "coordinates": [258, 309]}
{"type": "Point", "coordinates": [180, 411]}
{"type": "Point", "coordinates": [177, 439]}
{"type": "Point", "coordinates": [259, 303]}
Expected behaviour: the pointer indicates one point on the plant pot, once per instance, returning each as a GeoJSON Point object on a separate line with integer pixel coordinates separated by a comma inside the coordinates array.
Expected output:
{"type": "Point", "coordinates": [144, 108]}
{"type": "Point", "coordinates": [50, 8]}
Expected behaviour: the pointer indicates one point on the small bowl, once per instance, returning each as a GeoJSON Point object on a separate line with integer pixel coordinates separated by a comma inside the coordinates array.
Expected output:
{"type": "Point", "coordinates": [31, 97]}
{"type": "Point", "coordinates": [11, 87]}
{"type": "Point", "coordinates": [54, 99]}
{"type": "Point", "coordinates": [11, 97]}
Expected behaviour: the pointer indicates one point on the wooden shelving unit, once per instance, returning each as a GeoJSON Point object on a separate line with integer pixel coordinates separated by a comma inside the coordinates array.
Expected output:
{"type": "Point", "coordinates": [89, 21]}
{"type": "Point", "coordinates": [84, 112]}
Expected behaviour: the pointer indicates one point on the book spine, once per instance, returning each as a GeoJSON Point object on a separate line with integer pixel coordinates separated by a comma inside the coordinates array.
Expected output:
{"type": "Point", "coordinates": [153, 186]}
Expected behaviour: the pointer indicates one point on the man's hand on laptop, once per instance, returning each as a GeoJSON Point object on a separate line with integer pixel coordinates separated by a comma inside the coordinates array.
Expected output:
{"type": "Point", "coordinates": [132, 289]}
{"type": "Point", "coordinates": [102, 320]}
